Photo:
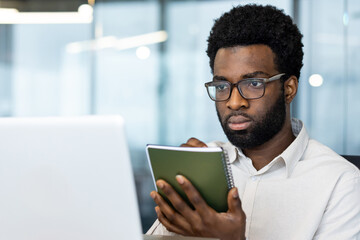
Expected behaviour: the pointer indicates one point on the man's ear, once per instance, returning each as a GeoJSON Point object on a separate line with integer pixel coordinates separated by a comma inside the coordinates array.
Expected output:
{"type": "Point", "coordinates": [290, 88]}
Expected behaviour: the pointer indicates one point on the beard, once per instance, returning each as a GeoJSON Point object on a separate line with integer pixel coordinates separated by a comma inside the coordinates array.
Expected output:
{"type": "Point", "coordinates": [262, 129]}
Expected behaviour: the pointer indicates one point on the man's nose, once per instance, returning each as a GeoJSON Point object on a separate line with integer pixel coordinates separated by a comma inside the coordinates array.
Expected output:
{"type": "Point", "coordinates": [236, 101]}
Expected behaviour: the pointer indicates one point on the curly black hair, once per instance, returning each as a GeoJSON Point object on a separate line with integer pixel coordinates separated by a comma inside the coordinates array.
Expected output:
{"type": "Point", "coordinates": [257, 24]}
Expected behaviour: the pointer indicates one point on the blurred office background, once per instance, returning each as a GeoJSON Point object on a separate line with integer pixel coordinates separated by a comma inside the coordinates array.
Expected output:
{"type": "Point", "coordinates": [146, 60]}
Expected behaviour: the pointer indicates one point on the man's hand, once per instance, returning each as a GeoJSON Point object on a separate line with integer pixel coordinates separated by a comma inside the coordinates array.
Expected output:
{"type": "Point", "coordinates": [203, 221]}
{"type": "Point", "coordinates": [193, 142]}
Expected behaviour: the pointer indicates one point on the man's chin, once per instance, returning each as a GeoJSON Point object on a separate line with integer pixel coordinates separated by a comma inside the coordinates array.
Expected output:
{"type": "Point", "coordinates": [242, 144]}
{"type": "Point", "coordinates": [239, 138]}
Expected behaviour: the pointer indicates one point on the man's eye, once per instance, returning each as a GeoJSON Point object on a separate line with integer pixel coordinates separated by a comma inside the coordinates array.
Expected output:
{"type": "Point", "coordinates": [221, 87]}
{"type": "Point", "coordinates": [255, 84]}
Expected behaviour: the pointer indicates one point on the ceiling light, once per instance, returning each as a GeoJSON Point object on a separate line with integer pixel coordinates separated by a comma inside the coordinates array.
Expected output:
{"type": "Point", "coordinates": [140, 40]}
{"type": "Point", "coordinates": [8, 11]}
{"type": "Point", "coordinates": [117, 43]}
{"type": "Point", "coordinates": [86, 10]}
{"type": "Point", "coordinates": [13, 16]}
{"type": "Point", "coordinates": [143, 52]}
{"type": "Point", "coordinates": [316, 80]}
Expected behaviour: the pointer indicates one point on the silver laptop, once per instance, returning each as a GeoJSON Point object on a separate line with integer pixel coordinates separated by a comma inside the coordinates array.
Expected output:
{"type": "Point", "coordinates": [66, 178]}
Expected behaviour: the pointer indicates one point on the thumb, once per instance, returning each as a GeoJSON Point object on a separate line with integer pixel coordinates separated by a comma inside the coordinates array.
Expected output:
{"type": "Point", "coordinates": [234, 202]}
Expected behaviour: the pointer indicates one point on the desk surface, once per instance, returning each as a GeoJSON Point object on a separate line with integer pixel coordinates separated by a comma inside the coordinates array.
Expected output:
{"type": "Point", "coordinates": [158, 237]}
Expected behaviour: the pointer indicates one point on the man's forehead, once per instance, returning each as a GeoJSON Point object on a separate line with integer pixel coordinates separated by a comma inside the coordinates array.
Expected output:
{"type": "Point", "coordinates": [252, 58]}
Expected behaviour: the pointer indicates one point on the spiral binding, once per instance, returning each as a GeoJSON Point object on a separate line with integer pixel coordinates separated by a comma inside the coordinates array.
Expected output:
{"type": "Point", "coordinates": [227, 168]}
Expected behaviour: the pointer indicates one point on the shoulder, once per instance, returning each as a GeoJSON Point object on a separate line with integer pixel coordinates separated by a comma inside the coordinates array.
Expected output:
{"type": "Point", "coordinates": [326, 162]}
{"type": "Point", "coordinates": [231, 150]}
{"type": "Point", "coordinates": [225, 145]}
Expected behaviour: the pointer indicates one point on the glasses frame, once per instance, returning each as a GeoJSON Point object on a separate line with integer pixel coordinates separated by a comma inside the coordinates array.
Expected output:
{"type": "Point", "coordinates": [232, 85]}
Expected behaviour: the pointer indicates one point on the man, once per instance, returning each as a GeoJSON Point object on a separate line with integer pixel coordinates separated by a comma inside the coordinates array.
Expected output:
{"type": "Point", "coordinates": [287, 185]}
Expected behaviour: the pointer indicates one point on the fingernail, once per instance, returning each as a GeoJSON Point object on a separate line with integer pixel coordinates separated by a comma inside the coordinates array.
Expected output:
{"type": "Point", "coordinates": [160, 185]}
{"type": "Point", "coordinates": [180, 179]}
{"type": "Point", "coordinates": [157, 209]}
{"type": "Point", "coordinates": [235, 193]}
{"type": "Point", "coordinates": [152, 195]}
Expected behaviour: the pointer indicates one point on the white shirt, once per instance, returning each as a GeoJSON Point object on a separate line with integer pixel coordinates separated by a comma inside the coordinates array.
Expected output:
{"type": "Point", "coordinates": [307, 192]}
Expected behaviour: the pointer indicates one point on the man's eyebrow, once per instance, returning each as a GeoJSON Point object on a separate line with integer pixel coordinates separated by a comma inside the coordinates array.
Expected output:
{"type": "Point", "coordinates": [247, 75]}
{"type": "Point", "coordinates": [219, 78]}
{"type": "Point", "coordinates": [255, 74]}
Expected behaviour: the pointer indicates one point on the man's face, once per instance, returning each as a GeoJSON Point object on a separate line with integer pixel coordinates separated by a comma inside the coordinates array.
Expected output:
{"type": "Point", "coordinates": [249, 123]}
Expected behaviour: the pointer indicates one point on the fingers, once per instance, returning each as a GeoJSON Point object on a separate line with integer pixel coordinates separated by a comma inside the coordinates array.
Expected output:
{"type": "Point", "coordinates": [194, 196]}
{"type": "Point", "coordinates": [193, 142]}
{"type": "Point", "coordinates": [178, 203]}
{"type": "Point", "coordinates": [234, 202]}
{"type": "Point", "coordinates": [167, 224]}
{"type": "Point", "coordinates": [164, 206]}
{"type": "Point", "coordinates": [238, 215]}
{"type": "Point", "coordinates": [172, 220]}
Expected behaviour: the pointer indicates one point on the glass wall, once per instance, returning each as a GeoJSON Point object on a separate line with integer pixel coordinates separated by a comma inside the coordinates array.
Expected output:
{"type": "Point", "coordinates": [110, 66]}
{"type": "Point", "coordinates": [351, 141]}
{"type": "Point", "coordinates": [331, 40]}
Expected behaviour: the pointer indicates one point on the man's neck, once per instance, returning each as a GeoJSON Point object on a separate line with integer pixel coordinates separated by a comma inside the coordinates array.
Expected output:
{"type": "Point", "coordinates": [264, 154]}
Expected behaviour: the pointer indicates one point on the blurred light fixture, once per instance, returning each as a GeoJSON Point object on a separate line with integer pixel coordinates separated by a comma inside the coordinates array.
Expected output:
{"type": "Point", "coordinates": [346, 19]}
{"type": "Point", "coordinates": [143, 52]}
{"type": "Point", "coordinates": [85, 10]}
{"type": "Point", "coordinates": [13, 16]}
{"type": "Point", "coordinates": [140, 40]}
{"type": "Point", "coordinates": [316, 80]}
{"type": "Point", "coordinates": [117, 43]}
{"type": "Point", "coordinates": [8, 11]}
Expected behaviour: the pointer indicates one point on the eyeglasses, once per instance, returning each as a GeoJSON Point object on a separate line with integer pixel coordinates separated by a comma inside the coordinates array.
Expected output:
{"type": "Point", "coordinates": [250, 88]}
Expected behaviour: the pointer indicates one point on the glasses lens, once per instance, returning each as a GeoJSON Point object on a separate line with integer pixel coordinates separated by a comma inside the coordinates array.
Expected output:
{"type": "Point", "coordinates": [252, 88]}
{"type": "Point", "coordinates": [218, 91]}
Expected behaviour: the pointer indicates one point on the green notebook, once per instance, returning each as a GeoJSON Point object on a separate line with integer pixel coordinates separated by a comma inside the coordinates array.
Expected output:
{"type": "Point", "coordinates": [207, 168]}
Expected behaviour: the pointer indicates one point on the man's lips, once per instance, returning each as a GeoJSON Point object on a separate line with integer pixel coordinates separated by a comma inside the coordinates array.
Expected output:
{"type": "Point", "coordinates": [238, 122]}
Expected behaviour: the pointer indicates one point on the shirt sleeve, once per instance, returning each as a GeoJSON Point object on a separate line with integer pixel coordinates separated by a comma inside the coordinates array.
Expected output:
{"type": "Point", "coordinates": [158, 229]}
{"type": "Point", "coordinates": [341, 219]}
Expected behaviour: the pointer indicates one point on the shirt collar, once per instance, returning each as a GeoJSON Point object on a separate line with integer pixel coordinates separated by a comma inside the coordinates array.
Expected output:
{"type": "Point", "coordinates": [290, 156]}
{"type": "Point", "coordinates": [296, 149]}
{"type": "Point", "coordinates": [231, 151]}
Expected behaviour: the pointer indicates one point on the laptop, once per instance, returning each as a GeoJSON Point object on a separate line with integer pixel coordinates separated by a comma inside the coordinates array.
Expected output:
{"type": "Point", "coordinates": [66, 178]}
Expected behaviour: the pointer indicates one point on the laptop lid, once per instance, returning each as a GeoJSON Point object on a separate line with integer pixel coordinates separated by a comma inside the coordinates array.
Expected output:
{"type": "Point", "coordinates": [66, 178]}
